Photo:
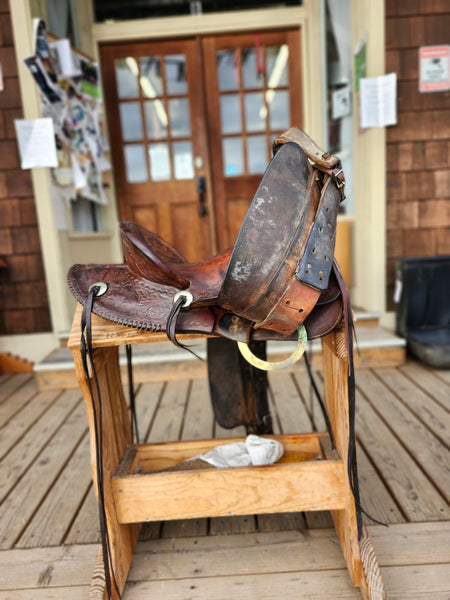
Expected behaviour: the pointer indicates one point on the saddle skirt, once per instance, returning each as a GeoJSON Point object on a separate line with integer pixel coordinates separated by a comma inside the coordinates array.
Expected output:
{"type": "Point", "coordinates": [279, 274]}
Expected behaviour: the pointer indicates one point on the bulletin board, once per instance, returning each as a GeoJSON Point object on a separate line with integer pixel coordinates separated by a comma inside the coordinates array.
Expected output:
{"type": "Point", "coordinates": [69, 85]}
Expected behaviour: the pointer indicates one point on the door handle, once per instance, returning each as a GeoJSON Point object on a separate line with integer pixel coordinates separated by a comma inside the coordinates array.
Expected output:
{"type": "Point", "coordinates": [201, 190]}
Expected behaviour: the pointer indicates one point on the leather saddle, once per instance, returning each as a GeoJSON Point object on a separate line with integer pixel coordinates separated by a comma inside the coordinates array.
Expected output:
{"type": "Point", "coordinates": [279, 275]}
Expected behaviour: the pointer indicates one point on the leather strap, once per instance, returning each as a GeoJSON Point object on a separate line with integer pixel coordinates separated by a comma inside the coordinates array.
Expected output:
{"type": "Point", "coordinates": [87, 356]}
{"type": "Point", "coordinates": [311, 149]}
{"type": "Point", "coordinates": [323, 161]}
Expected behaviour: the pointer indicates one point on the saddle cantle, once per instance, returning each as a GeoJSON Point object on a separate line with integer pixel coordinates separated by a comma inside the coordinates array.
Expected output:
{"type": "Point", "coordinates": [278, 275]}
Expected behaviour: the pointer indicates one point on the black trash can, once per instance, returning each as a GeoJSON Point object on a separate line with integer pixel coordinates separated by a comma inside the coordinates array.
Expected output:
{"type": "Point", "coordinates": [422, 294]}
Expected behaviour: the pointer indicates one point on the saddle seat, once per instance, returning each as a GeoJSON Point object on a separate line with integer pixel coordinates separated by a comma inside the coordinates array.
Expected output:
{"type": "Point", "coordinates": [279, 274]}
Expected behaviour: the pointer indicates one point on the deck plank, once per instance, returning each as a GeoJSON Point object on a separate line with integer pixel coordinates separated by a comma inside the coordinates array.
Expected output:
{"type": "Point", "coordinates": [281, 522]}
{"type": "Point", "coordinates": [375, 497]}
{"type": "Point", "coordinates": [22, 397]}
{"type": "Point", "coordinates": [147, 399]}
{"type": "Point", "coordinates": [31, 444]}
{"type": "Point", "coordinates": [417, 582]}
{"type": "Point", "coordinates": [312, 406]}
{"type": "Point", "coordinates": [168, 421]}
{"type": "Point", "coordinates": [291, 410]}
{"type": "Point", "coordinates": [412, 543]}
{"type": "Point", "coordinates": [430, 381]}
{"type": "Point", "coordinates": [11, 384]}
{"type": "Point", "coordinates": [46, 568]}
{"type": "Point", "coordinates": [420, 442]}
{"type": "Point", "coordinates": [75, 592]}
{"type": "Point", "coordinates": [199, 419]}
{"type": "Point", "coordinates": [53, 518]}
{"type": "Point", "coordinates": [418, 499]}
{"type": "Point", "coordinates": [425, 407]}
{"type": "Point", "coordinates": [30, 408]}
{"type": "Point", "coordinates": [31, 490]}
{"type": "Point", "coordinates": [85, 528]}
{"type": "Point", "coordinates": [317, 585]}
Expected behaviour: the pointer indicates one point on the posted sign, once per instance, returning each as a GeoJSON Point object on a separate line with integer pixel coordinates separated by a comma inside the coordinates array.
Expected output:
{"type": "Point", "coordinates": [434, 68]}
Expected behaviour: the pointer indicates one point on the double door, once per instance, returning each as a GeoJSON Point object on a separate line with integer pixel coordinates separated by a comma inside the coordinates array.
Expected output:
{"type": "Point", "coordinates": [191, 123]}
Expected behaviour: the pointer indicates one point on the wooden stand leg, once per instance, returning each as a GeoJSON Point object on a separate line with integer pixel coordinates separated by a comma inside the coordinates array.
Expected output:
{"type": "Point", "coordinates": [116, 436]}
{"type": "Point", "coordinates": [359, 554]}
{"type": "Point", "coordinates": [335, 368]}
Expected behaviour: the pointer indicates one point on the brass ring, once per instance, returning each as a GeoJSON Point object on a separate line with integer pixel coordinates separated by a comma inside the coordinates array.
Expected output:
{"type": "Point", "coordinates": [282, 364]}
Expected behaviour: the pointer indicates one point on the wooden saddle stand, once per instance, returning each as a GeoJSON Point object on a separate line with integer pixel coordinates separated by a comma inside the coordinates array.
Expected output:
{"type": "Point", "coordinates": [278, 282]}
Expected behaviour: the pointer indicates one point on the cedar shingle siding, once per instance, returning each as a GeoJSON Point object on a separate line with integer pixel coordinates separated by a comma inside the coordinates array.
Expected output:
{"type": "Point", "coordinates": [23, 295]}
{"type": "Point", "coordinates": [418, 148]}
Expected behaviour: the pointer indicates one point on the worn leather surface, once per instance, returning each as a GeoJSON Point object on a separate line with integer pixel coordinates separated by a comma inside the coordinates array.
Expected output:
{"type": "Point", "coordinates": [276, 276]}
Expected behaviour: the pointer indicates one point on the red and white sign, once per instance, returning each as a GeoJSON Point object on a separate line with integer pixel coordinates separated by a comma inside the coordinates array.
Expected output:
{"type": "Point", "coordinates": [434, 68]}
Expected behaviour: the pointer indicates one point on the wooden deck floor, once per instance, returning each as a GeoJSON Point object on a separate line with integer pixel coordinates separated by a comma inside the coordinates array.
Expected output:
{"type": "Point", "coordinates": [48, 518]}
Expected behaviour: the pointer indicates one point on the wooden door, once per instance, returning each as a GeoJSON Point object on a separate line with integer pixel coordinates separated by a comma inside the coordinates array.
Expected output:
{"type": "Point", "coordinates": [191, 123]}
{"type": "Point", "coordinates": [253, 93]}
{"type": "Point", "coordinates": [154, 102]}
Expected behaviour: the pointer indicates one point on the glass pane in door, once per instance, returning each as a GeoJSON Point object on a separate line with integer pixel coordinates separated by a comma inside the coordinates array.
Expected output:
{"type": "Point", "coordinates": [151, 76]}
{"type": "Point", "coordinates": [255, 112]}
{"type": "Point", "coordinates": [279, 109]}
{"type": "Point", "coordinates": [127, 77]}
{"type": "Point", "coordinates": [175, 70]}
{"type": "Point", "coordinates": [131, 121]}
{"type": "Point", "coordinates": [183, 162]}
{"type": "Point", "coordinates": [252, 67]}
{"type": "Point", "coordinates": [277, 66]}
{"type": "Point", "coordinates": [230, 113]}
{"type": "Point", "coordinates": [233, 157]}
{"type": "Point", "coordinates": [227, 70]}
{"type": "Point", "coordinates": [180, 123]}
{"type": "Point", "coordinates": [156, 120]}
{"type": "Point", "coordinates": [159, 162]}
{"type": "Point", "coordinates": [256, 154]}
{"type": "Point", "coordinates": [135, 164]}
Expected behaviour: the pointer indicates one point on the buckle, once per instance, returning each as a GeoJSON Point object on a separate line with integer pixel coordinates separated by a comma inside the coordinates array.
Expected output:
{"type": "Point", "coordinates": [338, 178]}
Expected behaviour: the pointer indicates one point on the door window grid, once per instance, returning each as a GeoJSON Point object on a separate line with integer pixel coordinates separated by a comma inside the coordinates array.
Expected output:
{"type": "Point", "coordinates": [248, 78]}
{"type": "Point", "coordinates": [154, 110]}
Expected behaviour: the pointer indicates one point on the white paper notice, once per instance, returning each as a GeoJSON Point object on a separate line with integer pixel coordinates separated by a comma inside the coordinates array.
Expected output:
{"type": "Point", "coordinates": [65, 59]}
{"type": "Point", "coordinates": [378, 106]}
{"type": "Point", "coordinates": [36, 139]}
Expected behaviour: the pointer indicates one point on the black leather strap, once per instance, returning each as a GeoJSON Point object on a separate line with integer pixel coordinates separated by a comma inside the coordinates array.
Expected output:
{"type": "Point", "coordinates": [87, 357]}
{"type": "Point", "coordinates": [316, 263]}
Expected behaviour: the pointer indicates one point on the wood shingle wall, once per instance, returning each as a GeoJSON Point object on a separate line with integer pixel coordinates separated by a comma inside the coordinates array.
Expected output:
{"type": "Point", "coordinates": [418, 148]}
{"type": "Point", "coordinates": [23, 295]}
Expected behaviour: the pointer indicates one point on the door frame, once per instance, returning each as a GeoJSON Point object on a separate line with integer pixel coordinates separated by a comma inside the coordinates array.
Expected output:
{"type": "Point", "coordinates": [306, 17]}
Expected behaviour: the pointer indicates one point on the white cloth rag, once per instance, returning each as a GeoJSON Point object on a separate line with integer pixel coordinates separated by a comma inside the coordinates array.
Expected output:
{"type": "Point", "coordinates": [254, 451]}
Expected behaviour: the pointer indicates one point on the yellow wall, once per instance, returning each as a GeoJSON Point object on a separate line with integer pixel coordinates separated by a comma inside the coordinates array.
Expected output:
{"type": "Point", "coordinates": [368, 236]}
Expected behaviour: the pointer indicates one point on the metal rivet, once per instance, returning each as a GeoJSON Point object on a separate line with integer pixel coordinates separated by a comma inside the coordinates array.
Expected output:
{"type": "Point", "coordinates": [188, 298]}
{"type": "Point", "coordinates": [101, 288]}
